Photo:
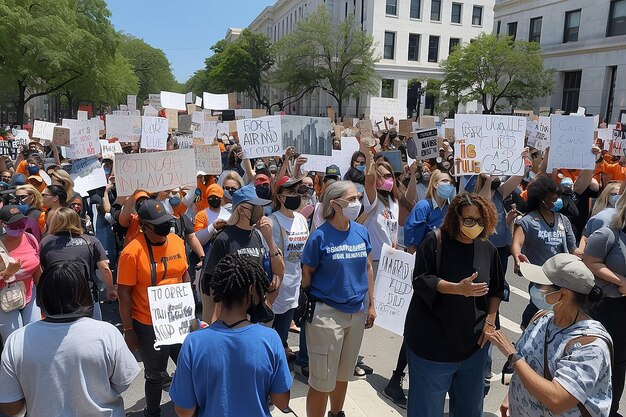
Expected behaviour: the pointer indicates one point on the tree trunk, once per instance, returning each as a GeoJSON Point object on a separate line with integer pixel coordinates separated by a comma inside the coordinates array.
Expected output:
{"type": "Point", "coordinates": [21, 103]}
{"type": "Point", "coordinates": [339, 107]}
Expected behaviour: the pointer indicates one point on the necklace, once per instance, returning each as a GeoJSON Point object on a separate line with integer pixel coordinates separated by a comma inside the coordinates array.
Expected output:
{"type": "Point", "coordinates": [548, 341]}
{"type": "Point", "coordinates": [235, 324]}
{"type": "Point", "coordinates": [550, 225]}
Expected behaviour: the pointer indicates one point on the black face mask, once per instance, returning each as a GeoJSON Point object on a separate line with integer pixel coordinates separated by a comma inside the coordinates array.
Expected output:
{"type": "Point", "coordinates": [162, 229]}
{"type": "Point", "coordinates": [263, 192]}
{"type": "Point", "coordinates": [215, 202]}
{"type": "Point", "coordinates": [292, 202]}
{"type": "Point", "coordinates": [495, 184]}
{"type": "Point", "coordinates": [260, 312]}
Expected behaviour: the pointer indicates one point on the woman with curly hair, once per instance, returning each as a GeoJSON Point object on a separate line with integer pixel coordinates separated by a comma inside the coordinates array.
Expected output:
{"type": "Point", "coordinates": [453, 305]}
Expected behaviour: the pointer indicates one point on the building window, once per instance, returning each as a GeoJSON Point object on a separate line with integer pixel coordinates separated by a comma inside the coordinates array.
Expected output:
{"type": "Point", "coordinates": [498, 27]}
{"type": "Point", "coordinates": [435, 10]}
{"type": "Point", "coordinates": [416, 9]}
{"type": "Point", "coordinates": [571, 91]}
{"type": "Point", "coordinates": [477, 16]}
{"type": "Point", "coordinates": [392, 7]}
{"type": "Point", "coordinates": [512, 29]}
{"type": "Point", "coordinates": [453, 42]}
{"type": "Point", "coordinates": [433, 49]}
{"type": "Point", "coordinates": [387, 88]}
{"type": "Point", "coordinates": [572, 23]}
{"type": "Point", "coordinates": [414, 47]}
{"type": "Point", "coordinates": [390, 45]}
{"type": "Point", "coordinates": [617, 18]}
{"type": "Point", "coordinates": [456, 12]}
{"type": "Point", "coordinates": [534, 32]}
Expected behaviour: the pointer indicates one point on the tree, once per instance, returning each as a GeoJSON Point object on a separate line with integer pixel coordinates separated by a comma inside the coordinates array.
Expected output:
{"type": "Point", "coordinates": [150, 65]}
{"type": "Point", "coordinates": [337, 58]}
{"type": "Point", "coordinates": [47, 44]}
{"type": "Point", "coordinates": [493, 68]}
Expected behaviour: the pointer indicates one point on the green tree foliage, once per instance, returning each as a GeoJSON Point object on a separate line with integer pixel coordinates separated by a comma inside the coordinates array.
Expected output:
{"type": "Point", "coordinates": [47, 44]}
{"type": "Point", "coordinates": [492, 69]}
{"type": "Point", "coordinates": [151, 67]}
{"type": "Point", "coordinates": [338, 58]}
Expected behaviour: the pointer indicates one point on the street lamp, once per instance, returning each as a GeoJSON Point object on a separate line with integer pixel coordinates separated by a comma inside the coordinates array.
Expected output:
{"type": "Point", "coordinates": [419, 93]}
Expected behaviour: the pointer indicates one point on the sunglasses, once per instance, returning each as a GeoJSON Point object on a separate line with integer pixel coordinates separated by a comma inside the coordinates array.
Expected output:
{"type": "Point", "coordinates": [470, 221]}
{"type": "Point", "coordinates": [230, 189]}
{"type": "Point", "coordinates": [5, 178]}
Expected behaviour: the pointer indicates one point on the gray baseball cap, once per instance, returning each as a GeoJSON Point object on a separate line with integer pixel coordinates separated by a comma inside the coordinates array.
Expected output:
{"type": "Point", "coordinates": [563, 270]}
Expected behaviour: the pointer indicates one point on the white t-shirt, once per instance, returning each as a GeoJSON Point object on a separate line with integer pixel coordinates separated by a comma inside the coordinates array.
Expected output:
{"type": "Point", "coordinates": [290, 236]}
{"type": "Point", "coordinates": [67, 369]}
{"type": "Point", "coordinates": [382, 225]}
{"type": "Point", "coordinates": [318, 220]}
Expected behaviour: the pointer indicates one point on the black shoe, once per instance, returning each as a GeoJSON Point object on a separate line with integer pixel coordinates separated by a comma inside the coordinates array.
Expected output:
{"type": "Point", "coordinates": [302, 370]}
{"type": "Point", "coordinates": [339, 414]}
{"type": "Point", "coordinates": [394, 390]}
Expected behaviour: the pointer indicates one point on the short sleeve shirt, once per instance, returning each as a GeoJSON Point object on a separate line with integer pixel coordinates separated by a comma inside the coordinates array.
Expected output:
{"type": "Point", "coordinates": [382, 224]}
{"type": "Point", "coordinates": [63, 247]}
{"type": "Point", "coordinates": [605, 244]}
{"type": "Point", "coordinates": [541, 241]}
{"type": "Point", "coordinates": [598, 221]}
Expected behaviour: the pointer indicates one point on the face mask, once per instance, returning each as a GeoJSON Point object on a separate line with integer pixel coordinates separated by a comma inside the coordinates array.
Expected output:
{"type": "Point", "coordinates": [558, 205]}
{"type": "Point", "coordinates": [352, 210]}
{"type": "Point", "coordinates": [260, 313]}
{"type": "Point", "coordinates": [568, 189]}
{"type": "Point", "coordinates": [426, 176]}
{"type": "Point", "coordinates": [292, 202]}
{"type": "Point", "coordinates": [495, 184]}
{"type": "Point", "coordinates": [32, 170]}
{"type": "Point", "coordinates": [445, 191]}
{"type": "Point", "coordinates": [613, 199]}
{"type": "Point", "coordinates": [538, 298]}
{"type": "Point", "coordinates": [263, 192]}
{"type": "Point", "coordinates": [255, 214]}
{"type": "Point", "coordinates": [227, 195]}
{"type": "Point", "coordinates": [386, 185]}
{"type": "Point", "coordinates": [360, 168]}
{"type": "Point", "coordinates": [22, 208]}
{"type": "Point", "coordinates": [107, 171]}
{"type": "Point", "coordinates": [162, 229]}
{"type": "Point", "coordinates": [174, 201]}
{"type": "Point", "coordinates": [310, 191]}
{"type": "Point", "coordinates": [215, 202]}
{"type": "Point", "coordinates": [16, 229]}
{"type": "Point", "coordinates": [472, 232]}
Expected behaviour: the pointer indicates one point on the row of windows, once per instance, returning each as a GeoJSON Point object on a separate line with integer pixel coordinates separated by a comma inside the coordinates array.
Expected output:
{"type": "Point", "coordinates": [616, 24]}
{"type": "Point", "coordinates": [389, 51]}
{"type": "Point", "coordinates": [415, 11]}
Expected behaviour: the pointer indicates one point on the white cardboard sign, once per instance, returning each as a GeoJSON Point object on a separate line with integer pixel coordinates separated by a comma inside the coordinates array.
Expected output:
{"type": "Point", "coordinates": [426, 143]}
{"type": "Point", "coordinates": [175, 101]}
{"type": "Point", "coordinates": [84, 138]}
{"type": "Point", "coordinates": [154, 133]}
{"type": "Point", "coordinates": [215, 101]}
{"type": "Point", "coordinates": [538, 130]}
{"type": "Point", "coordinates": [571, 141]}
{"type": "Point", "coordinates": [173, 310]}
{"type": "Point", "coordinates": [208, 159]}
{"type": "Point", "coordinates": [109, 150]}
{"type": "Point", "coordinates": [381, 107]}
{"type": "Point", "coordinates": [124, 128]}
{"type": "Point", "coordinates": [260, 137]}
{"type": "Point", "coordinates": [88, 175]}
{"type": "Point", "coordinates": [43, 130]}
{"type": "Point", "coordinates": [131, 102]}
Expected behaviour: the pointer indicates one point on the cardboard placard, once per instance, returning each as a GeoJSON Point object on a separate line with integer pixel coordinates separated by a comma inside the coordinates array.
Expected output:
{"type": "Point", "coordinates": [198, 101]}
{"type": "Point", "coordinates": [84, 138]}
{"type": "Point", "coordinates": [173, 310]}
{"type": "Point", "coordinates": [341, 158]}
{"type": "Point", "coordinates": [215, 101]}
{"type": "Point", "coordinates": [232, 101]}
{"type": "Point", "coordinates": [131, 102]}
{"type": "Point", "coordinates": [154, 100]}
{"type": "Point", "coordinates": [330, 112]}
{"type": "Point", "coordinates": [172, 119]}
{"type": "Point", "coordinates": [260, 137]}
{"type": "Point", "coordinates": [109, 149]}
{"type": "Point", "coordinates": [405, 127]}
{"type": "Point", "coordinates": [123, 128]}
{"type": "Point", "coordinates": [243, 114]}
{"type": "Point", "coordinates": [365, 126]}
{"type": "Point", "coordinates": [61, 136]}
{"type": "Point", "coordinates": [538, 131]}
{"type": "Point", "coordinates": [82, 115]}
{"type": "Point", "coordinates": [309, 135]}
{"type": "Point", "coordinates": [189, 97]}
{"type": "Point", "coordinates": [571, 141]}
{"type": "Point", "coordinates": [184, 141]}
{"type": "Point", "coordinates": [381, 107]}
{"type": "Point", "coordinates": [393, 288]}
{"type": "Point", "coordinates": [154, 171]}
{"type": "Point", "coordinates": [394, 158]}
{"type": "Point", "coordinates": [175, 101]}
{"type": "Point", "coordinates": [184, 123]}
{"type": "Point", "coordinates": [191, 108]}
{"type": "Point", "coordinates": [149, 111]}
{"type": "Point", "coordinates": [88, 175]}
{"type": "Point", "coordinates": [426, 143]}
{"type": "Point", "coordinates": [490, 144]}
{"type": "Point", "coordinates": [10, 147]}
{"type": "Point", "coordinates": [43, 130]}
{"type": "Point", "coordinates": [427, 122]}
{"type": "Point", "coordinates": [618, 147]}
{"type": "Point", "coordinates": [258, 113]}
{"type": "Point", "coordinates": [208, 159]}
{"type": "Point", "coordinates": [154, 133]}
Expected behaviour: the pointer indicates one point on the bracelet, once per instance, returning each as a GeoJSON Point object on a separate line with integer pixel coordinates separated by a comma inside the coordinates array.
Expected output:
{"type": "Point", "coordinates": [275, 254]}
{"type": "Point", "coordinates": [488, 323]}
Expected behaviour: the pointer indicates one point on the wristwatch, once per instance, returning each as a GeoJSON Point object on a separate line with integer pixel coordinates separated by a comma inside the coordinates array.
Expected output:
{"type": "Point", "coordinates": [514, 357]}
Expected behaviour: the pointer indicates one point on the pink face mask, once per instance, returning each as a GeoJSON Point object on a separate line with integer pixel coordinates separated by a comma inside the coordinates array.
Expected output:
{"type": "Point", "coordinates": [386, 185]}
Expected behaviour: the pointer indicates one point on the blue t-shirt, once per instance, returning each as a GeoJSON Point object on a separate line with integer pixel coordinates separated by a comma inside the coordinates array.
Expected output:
{"type": "Point", "coordinates": [340, 262]}
{"type": "Point", "coordinates": [422, 219]}
{"type": "Point", "coordinates": [230, 372]}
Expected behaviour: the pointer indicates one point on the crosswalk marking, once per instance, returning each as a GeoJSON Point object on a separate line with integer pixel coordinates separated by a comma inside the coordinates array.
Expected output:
{"type": "Point", "coordinates": [519, 292]}
{"type": "Point", "coordinates": [510, 325]}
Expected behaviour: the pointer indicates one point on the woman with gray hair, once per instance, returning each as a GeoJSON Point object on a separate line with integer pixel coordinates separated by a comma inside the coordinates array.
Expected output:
{"type": "Point", "coordinates": [337, 273]}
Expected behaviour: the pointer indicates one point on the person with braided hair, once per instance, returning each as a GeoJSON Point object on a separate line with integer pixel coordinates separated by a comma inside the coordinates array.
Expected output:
{"type": "Point", "coordinates": [232, 366]}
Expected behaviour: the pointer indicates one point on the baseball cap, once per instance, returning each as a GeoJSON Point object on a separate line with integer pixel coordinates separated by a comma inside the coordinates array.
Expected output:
{"type": "Point", "coordinates": [36, 177]}
{"type": "Point", "coordinates": [563, 270]}
{"type": "Point", "coordinates": [201, 173]}
{"type": "Point", "coordinates": [140, 194]}
{"type": "Point", "coordinates": [567, 181]}
{"type": "Point", "coordinates": [216, 190]}
{"type": "Point", "coordinates": [261, 179]}
{"type": "Point", "coordinates": [153, 212]}
{"type": "Point", "coordinates": [332, 171]}
{"type": "Point", "coordinates": [287, 182]}
{"type": "Point", "coordinates": [18, 179]}
{"type": "Point", "coordinates": [10, 214]}
{"type": "Point", "coordinates": [248, 195]}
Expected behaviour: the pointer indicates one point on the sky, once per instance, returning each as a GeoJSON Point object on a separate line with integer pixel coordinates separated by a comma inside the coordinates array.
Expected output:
{"type": "Point", "coordinates": [184, 29]}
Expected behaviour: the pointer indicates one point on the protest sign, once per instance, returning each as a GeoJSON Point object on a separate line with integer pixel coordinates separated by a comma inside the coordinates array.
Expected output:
{"type": "Point", "coordinates": [365, 126]}
{"type": "Point", "coordinates": [232, 101]}
{"type": "Point", "coordinates": [124, 107]}
{"type": "Point", "coordinates": [309, 135]}
{"type": "Point", "coordinates": [393, 288]}
{"type": "Point", "coordinates": [618, 147]}
{"type": "Point", "coordinates": [154, 100]}
{"type": "Point", "coordinates": [394, 158]}
{"type": "Point", "coordinates": [208, 159]}
{"type": "Point", "coordinates": [172, 119]}
{"type": "Point", "coordinates": [571, 142]}
{"type": "Point", "coordinates": [121, 113]}
{"type": "Point", "coordinates": [191, 109]}
{"type": "Point", "coordinates": [43, 130]}
{"type": "Point", "coordinates": [427, 122]}
{"type": "Point", "coordinates": [489, 144]}
{"type": "Point", "coordinates": [189, 97]}
{"type": "Point", "coordinates": [154, 171]}
{"type": "Point", "coordinates": [175, 101]}
{"type": "Point", "coordinates": [605, 136]}
{"type": "Point", "coordinates": [381, 107]}
{"type": "Point", "coordinates": [173, 310]}
{"type": "Point", "coordinates": [207, 131]}
{"type": "Point", "coordinates": [123, 128]}
{"type": "Point", "coordinates": [131, 102]}
{"type": "Point", "coordinates": [88, 175]}
{"type": "Point", "coordinates": [10, 147]}
{"type": "Point", "coordinates": [538, 130]}
{"type": "Point", "coordinates": [426, 144]}
{"type": "Point", "coordinates": [150, 111]}
{"type": "Point", "coordinates": [61, 136]}
{"type": "Point", "coordinates": [330, 112]}
{"type": "Point", "coordinates": [184, 123]}
{"type": "Point", "coordinates": [348, 122]}
{"type": "Point", "coordinates": [258, 113]}
{"type": "Point", "coordinates": [523, 113]}
{"type": "Point", "coordinates": [341, 158]}
{"type": "Point", "coordinates": [198, 101]}
{"type": "Point", "coordinates": [197, 117]}
{"type": "Point", "coordinates": [82, 115]}
{"type": "Point", "coordinates": [84, 138]}
{"type": "Point", "coordinates": [184, 141]}
{"type": "Point", "coordinates": [215, 101]}
{"type": "Point", "coordinates": [405, 127]}
{"type": "Point", "coordinates": [260, 137]}
{"type": "Point", "coordinates": [243, 114]}
{"type": "Point", "coordinates": [109, 149]}
{"type": "Point", "coordinates": [154, 133]}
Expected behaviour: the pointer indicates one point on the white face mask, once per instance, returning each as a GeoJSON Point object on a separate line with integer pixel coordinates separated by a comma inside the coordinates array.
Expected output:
{"type": "Point", "coordinates": [352, 210]}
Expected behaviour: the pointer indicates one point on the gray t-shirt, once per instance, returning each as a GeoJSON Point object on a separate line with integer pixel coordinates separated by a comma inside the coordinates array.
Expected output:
{"type": "Point", "coordinates": [67, 369]}
{"type": "Point", "coordinates": [541, 241]}
{"type": "Point", "coordinates": [604, 244]}
{"type": "Point", "coordinates": [602, 219]}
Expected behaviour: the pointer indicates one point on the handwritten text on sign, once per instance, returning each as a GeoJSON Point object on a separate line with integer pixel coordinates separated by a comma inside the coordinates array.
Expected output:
{"type": "Point", "coordinates": [88, 175]}
{"type": "Point", "coordinates": [260, 137]}
{"type": "Point", "coordinates": [154, 171]}
{"type": "Point", "coordinates": [154, 133]}
{"type": "Point", "coordinates": [571, 141]}
{"type": "Point", "coordinates": [617, 143]}
{"type": "Point", "coordinates": [538, 130]}
{"type": "Point", "coordinates": [208, 159]}
{"type": "Point", "coordinates": [124, 128]}
{"type": "Point", "coordinates": [393, 288]}
{"type": "Point", "coordinates": [489, 144]}
{"type": "Point", "coordinates": [43, 130]}
{"type": "Point", "coordinates": [173, 309]}
{"type": "Point", "coordinates": [84, 138]}
{"type": "Point", "coordinates": [426, 142]}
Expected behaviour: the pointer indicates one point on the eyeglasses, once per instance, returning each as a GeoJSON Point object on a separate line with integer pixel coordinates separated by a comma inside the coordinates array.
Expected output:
{"type": "Point", "coordinates": [46, 195]}
{"type": "Point", "coordinates": [76, 205]}
{"type": "Point", "coordinates": [6, 178]}
{"type": "Point", "coordinates": [230, 189]}
{"type": "Point", "coordinates": [534, 155]}
{"type": "Point", "coordinates": [21, 197]}
{"type": "Point", "coordinates": [470, 221]}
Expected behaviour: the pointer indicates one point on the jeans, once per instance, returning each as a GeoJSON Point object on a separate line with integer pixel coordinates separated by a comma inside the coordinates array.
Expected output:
{"type": "Point", "coordinates": [282, 323]}
{"type": "Point", "coordinates": [302, 359]}
{"type": "Point", "coordinates": [430, 381]}
{"type": "Point", "coordinates": [13, 320]}
{"type": "Point", "coordinates": [155, 366]}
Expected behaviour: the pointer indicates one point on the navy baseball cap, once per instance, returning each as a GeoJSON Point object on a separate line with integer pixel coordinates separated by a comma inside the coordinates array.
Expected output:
{"type": "Point", "coordinates": [332, 171]}
{"type": "Point", "coordinates": [19, 179]}
{"type": "Point", "coordinates": [153, 212]}
{"type": "Point", "coordinates": [248, 195]}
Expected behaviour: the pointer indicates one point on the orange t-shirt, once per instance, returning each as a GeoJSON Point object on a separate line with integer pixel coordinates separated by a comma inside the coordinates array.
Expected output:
{"type": "Point", "coordinates": [134, 270]}
{"type": "Point", "coordinates": [615, 171]}
{"type": "Point", "coordinates": [133, 229]}
{"type": "Point", "coordinates": [22, 168]}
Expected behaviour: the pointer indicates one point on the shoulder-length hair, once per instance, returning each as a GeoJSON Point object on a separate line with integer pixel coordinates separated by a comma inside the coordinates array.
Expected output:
{"type": "Point", "coordinates": [65, 180]}
{"type": "Point", "coordinates": [452, 221]}
{"type": "Point", "coordinates": [37, 197]}
{"type": "Point", "coordinates": [602, 201]}
{"type": "Point", "coordinates": [64, 289]}
{"type": "Point", "coordinates": [333, 192]}
{"type": "Point", "coordinates": [435, 176]}
{"type": "Point", "coordinates": [65, 220]}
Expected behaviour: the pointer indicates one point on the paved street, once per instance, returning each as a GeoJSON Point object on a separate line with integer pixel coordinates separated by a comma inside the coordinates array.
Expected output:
{"type": "Point", "coordinates": [380, 349]}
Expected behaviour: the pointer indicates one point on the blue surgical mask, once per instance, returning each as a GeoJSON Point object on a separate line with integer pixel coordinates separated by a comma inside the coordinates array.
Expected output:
{"type": "Point", "coordinates": [22, 208]}
{"type": "Point", "coordinates": [33, 170]}
{"type": "Point", "coordinates": [174, 201]}
{"type": "Point", "coordinates": [538, 298]}
{"type": "Point", "coordinates": [228, 195]}
{"type": "Point", "coordinates": [558, 205]}
{"type": "Point", "coordinates": [107, 171]}
{"type": "Point", "coordinates": [613, 199]}
{"type": "Point", "coordinates": [360, 168]}
{"type": "Point", "coordinates": [446, 191]}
